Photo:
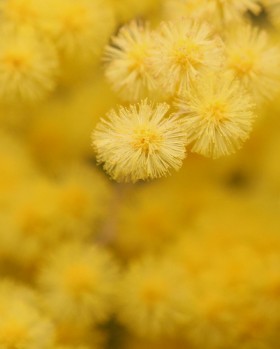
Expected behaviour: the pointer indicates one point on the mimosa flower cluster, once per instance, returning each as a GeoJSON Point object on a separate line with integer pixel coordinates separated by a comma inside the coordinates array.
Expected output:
{"type": "Point", "coordinates": [99, 101]}
{"type": "Point", "coordinates": [214, 75]}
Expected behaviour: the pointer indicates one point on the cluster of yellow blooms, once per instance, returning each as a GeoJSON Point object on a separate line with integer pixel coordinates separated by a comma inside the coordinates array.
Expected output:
{"type": "Point", "coordinates": [214, 76]}
{"type": "Point", "coordinates": [89, 260]}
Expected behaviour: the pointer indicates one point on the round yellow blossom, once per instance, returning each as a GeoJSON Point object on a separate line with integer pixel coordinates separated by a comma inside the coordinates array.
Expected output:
{"type": "Point", "coordinates": [82, 201]}
{"type": "Point", "coordinates": [254, 61]}
{"type": "Point", "coordinates": [28, 66]}
{"type": "Point", "coordinates": [32, 224]}
{"type": "Point", "coordinates": [21, 323]}
{"type": "Point", "coordinates": [218, 115]}
{"type": "Point", "coordinates": [183, 50]}
{"type": "Point", "coordinates": [139, 142]}
{"type": "Point", "coordinates": [127, 59]}
{"type": "Point", "coordinates": [232, 270]}
{"type": "Point", "coordinates": [78, 281]}
{"type": "Point", "coordinates": [79, 28]}
{"type": "Point", "coordinates": [21, 12]}
{"type": "Point", "coordinates": [241, 273]}
{"type": "Point", "coordinates": [153, 298]}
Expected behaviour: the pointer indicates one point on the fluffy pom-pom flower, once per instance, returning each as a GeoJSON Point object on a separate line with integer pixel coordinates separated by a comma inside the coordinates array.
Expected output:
{"type": "Point", "coordinates": [79, 28]}
{"type": "Point", "coordinates": [140, 142]}
{"type": "Point", "coordinates": [78, 282]}
{"type": "Point", "coordinates": [182, 51]}
{"type": "Point", "coordinates": [21, 323]}
{"type": "Point", "coordinates": [218, 115]}
{"type": "Point", "coordinates": [23, 12]}
{"type": "Point", "coordinates": [254, 61]}
{"type": "Point", "coordinates": [28, 65]}
{"type": "Point", "coordinates": [153, 298]}
{"type": "Point", "coordinates": [128, 61]}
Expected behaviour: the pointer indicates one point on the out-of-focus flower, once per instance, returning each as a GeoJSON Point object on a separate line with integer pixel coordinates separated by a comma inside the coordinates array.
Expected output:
{"type": "Point", "coordinates": [79, 29]}
{"type": "Point", "coordinates": [254, 61]}
{"type": "Point", "coordinates": [79, 282]}
{"type": "Point", "coordinates": [82, 201]}
{"type": "Point", "coordinates": [153, 298]}
{"type": "Point", "coordinates": [21, 324]}
{"type": "Point", "coordinates": [21, 12]}
{"type": "Point", "coordinates": [28, 65]}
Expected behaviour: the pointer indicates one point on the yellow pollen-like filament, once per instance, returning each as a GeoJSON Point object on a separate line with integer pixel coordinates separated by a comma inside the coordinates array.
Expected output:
{"type": "Point", "coordinates": [138, 56]}
{"type": "Point", "coordinates": [146, 138]}
{"type": "Point", "coordinates": [186, 52]}
{"type": "Point", "coordinates": [242, 64]}
{"type": "Point", "coordinates": [215, 111]}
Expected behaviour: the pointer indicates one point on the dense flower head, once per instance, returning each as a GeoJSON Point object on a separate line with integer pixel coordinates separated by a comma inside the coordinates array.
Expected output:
{"type": "Point", "coordinates": [183, 50]}
{"type": "Point", "coordinates": [22, 325]}
{"type": "Point", "coordinates": [241, 263]}
{"type": "Point", "coordinates": [127, 58]}
{"type": "Point", "coordinates": [81, 201]}
{"type": "Point", "coordinates": [28, 65]}
{"type": "Point", "coordinates": [20, 12]}
{"type": "Point", "coordinates": [79, 28]}
{"type": "Point", "coordinates": [78, 281]}
{"type": "Point", "coordinates": [153, 298]}
{"type": "Point", "coordinates": [254, 60]}
{"type": "Point", "coordinates": [97, 249]}
{"type": "Point", "coordinates": [218, 115]}
{"type": "Point", "coordinates": [140, 142]}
